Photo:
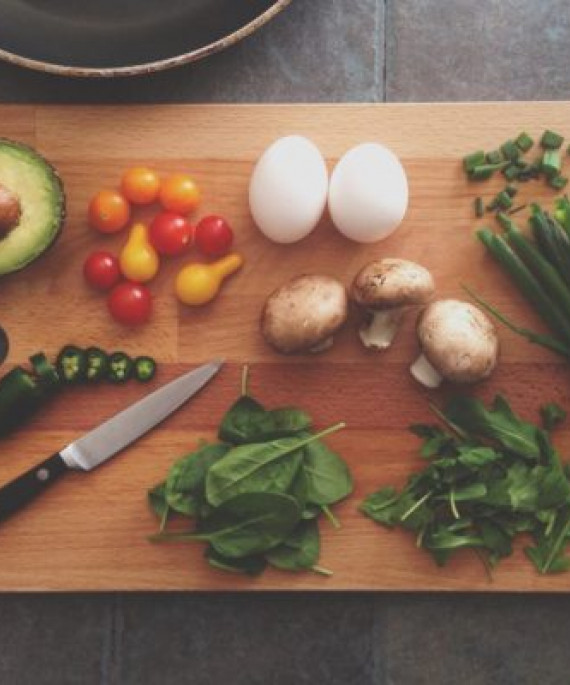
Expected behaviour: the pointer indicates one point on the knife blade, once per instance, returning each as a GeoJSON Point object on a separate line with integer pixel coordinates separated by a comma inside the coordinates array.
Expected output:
{"type": "Point", "coordinates": [107, 439]}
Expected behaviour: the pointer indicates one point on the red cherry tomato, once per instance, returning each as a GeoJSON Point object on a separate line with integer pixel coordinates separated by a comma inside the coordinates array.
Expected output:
{"type": "Point", "coordinates": [101, 270]}
{"type": "Point", "coordinates": [213, 236]}
{"type": "Point", "coordinates": [130, 303]}
{"type": "Point", "coordinates": [170, 233]}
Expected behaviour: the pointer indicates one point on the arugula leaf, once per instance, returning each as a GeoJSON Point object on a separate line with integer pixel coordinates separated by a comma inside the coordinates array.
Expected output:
{"type": "Point", "coordinates": [498, 424]}
{"type": "Point", "coordinates": [499, 477]}
{"type": "Point", "coordinates": [552, 415]}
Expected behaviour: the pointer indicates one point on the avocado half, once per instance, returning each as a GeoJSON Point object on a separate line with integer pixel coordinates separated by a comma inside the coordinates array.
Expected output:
{"type": "Point", "coordinates": [40, 191]}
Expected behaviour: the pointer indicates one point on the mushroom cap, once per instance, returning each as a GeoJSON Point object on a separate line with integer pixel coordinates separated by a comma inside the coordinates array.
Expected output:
{"type": "Point", "coordinates": [388, 283]}
{"type": "Point", "coordinates": [303, 313]}
{"type": "Point", "coordinates": [459, 340]}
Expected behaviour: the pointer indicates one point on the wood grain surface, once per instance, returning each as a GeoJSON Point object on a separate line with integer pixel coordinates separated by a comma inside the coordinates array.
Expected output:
{"type": "Point", "coordinates": [90, 531]}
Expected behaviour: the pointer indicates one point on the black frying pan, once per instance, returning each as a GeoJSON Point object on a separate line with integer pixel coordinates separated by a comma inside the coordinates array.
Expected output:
{"type": "Point", "coordinates": [114, 37]}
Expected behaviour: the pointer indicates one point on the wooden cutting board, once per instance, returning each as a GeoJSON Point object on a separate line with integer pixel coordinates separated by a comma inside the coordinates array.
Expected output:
{"type": "Point", "coordinates": [90, 531]}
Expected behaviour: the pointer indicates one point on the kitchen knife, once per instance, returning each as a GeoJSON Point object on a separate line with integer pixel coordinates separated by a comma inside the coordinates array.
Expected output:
{"type": "Point", "coordinates": [106, 440]}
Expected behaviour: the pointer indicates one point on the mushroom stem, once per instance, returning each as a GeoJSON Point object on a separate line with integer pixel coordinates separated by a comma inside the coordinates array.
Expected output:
{"type": "Point", "coordinates": [379, 333]}
{"type": "Point", "coordinates": [425, 373]}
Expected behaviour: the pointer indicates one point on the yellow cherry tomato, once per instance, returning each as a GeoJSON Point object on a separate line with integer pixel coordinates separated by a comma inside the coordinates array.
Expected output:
{"type": "Point", "coordinates": [179, 193]}
{"type": "Point", "coordinates": [140, 185]}
{"type": "Point", "coordinates": [138, 259]}
{"type": "Point", "coordinates": [197, 284]}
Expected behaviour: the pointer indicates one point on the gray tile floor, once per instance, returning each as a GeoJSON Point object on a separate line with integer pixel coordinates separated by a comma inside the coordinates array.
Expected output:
{"type": "Point", "coordinates": [319, 50]}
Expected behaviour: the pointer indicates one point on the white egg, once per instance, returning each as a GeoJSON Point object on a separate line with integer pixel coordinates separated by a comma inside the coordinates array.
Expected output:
{"type": "Point", "coordinates": [288, 189]}
{"type": "Point", "coordinates": [368, 193]}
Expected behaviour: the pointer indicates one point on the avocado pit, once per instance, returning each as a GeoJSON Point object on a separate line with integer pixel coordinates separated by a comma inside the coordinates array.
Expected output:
{"type": "Point", "coordinates": [10, 210]}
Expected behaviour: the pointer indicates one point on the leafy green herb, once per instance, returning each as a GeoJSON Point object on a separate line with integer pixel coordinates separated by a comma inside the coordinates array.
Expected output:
{"type": "Point", "coordinates": [552, 415]}
{"type": "Point", "coordinates": [491, 476]}
{"type": "Point", "coordinates": [301, 550]}
{"type": "Point", "coordinates": [185, 484]}
{"type": "Point", "coordinates": [257, 496]}
{"type": "Point", "coordinates": [258, 467]}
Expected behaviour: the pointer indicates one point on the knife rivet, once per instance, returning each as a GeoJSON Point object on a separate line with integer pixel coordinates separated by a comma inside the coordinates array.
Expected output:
{"type": "Point", "coordinates": [42, 474]}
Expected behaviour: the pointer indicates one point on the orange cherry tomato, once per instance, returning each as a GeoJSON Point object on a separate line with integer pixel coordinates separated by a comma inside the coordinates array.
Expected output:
{"type": "Point", "coordinates": [140, 185]}
{"type": "Point", "coordinates": [179, 193]}
{"type": "Point", "coordinates": [109, 212]}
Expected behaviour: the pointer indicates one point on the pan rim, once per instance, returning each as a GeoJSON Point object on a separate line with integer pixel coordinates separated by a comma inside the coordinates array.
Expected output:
{"type": "Point", "coordinates": [148, 67]}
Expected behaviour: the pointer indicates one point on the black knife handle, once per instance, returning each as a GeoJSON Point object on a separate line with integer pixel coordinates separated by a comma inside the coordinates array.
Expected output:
{"type": "Point", "coordinates": [17, 493]}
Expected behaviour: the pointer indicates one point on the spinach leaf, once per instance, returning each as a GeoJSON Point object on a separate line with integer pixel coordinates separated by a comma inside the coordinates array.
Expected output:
{"type": "Point", "coordinates": [186, 478]}
{"type": "Point", "coordinates": [252, 565]}
{"type": "Point", "coordinates": [250, 523]}
{"type": "Point", "coordinates": [299, 551]}
{"type": "Point", "coordinates": [157, 500]}
{"type": "Point", "coordinates": [328, 479]}
{"type": "Point", "coordinates": [383, 506]}
{"type": "Point", "coordinates": [247, 421]}
{"type": "Point", "coordinates": [246, 467]}
{"type": "Point", "coordinates": [498, 423]}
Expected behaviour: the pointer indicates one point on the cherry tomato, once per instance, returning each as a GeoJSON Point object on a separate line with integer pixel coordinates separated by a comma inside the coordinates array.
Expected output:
{"type": "Point", "coordinates": [101, 270]}
{"type": "Point", "coordinates": [130, 303]}
{"type": "Point", "coordinates": [170, 233]}
{"type": "Point", "coordinates": [109, 212]}
{"type": "Point", "coordinates": [178, 193]}
{"type": "Point", "coordinates": [140, 185]}
{"type": "Point", "coordinates": [213, 236]}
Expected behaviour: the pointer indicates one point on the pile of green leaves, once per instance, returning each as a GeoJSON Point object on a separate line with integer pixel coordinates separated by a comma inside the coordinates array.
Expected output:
{"type": "Point", "coordinates": [256, 496]}
{"type": "Point", "coordinates": [491, 476]}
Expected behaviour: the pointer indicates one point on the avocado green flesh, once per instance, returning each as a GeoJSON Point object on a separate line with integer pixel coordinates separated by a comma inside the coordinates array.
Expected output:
{"type": "Point", "coordinates": [36, 183]}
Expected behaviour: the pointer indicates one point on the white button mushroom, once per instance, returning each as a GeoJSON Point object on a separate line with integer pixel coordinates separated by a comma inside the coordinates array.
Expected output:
{"type": "Point", "coordinates": [304, 313]}
{"type": "Point", "coordinates": [385, 289]}
{"type": "Point", "coordinates": [458, 341]}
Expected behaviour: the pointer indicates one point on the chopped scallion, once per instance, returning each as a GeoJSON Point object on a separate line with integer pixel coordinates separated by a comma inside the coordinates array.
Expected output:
{"type": "Point", "coordinates": [473, 160]}
{"type": "Point", "coordinates": [558, 182]}
{"type": "Point", "coordinates": [524, 141]}
{"type": "Point", "coordinates": [510, 150]}
{"type": "Point", "coordinates": [494, 157]}
{"type": "Point", "coordinates": [511, 172]}
{"type": "Point", "coordinates": [479, 207]}
{"type": "Point", "coordinates": [551, 140]}
{"type": "Point", "coordinates": [551, 163]}
{"type": "Point", "coordinates": [511, 190]}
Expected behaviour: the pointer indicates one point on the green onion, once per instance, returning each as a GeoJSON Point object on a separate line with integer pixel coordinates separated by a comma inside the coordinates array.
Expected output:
{"type": "Point", "coordinates": [484, 171]}
{"type": "Point", "coordinates": [542, 339]}
{"type": "Point", "coordinates": [527, 284]}
{"type": "Point", "coordinates": [545, 272]}
{"type": "Point", "coordinates": [511, 172]}
{"type": "Point", "coordinates": [562, 213]}
{"type": "Point", "coordinates": [524, 141]}
{"type": "Point", "coordinates": [551, 140]}
{"type": "Point", "coordinates": [494, 157]}
{"type": "Point", "coordinates": [504, 200]}
{"type": "Point", "coordinates": [510, 150]}
{"type": "Point", "coordinates": [558, 182]}
{"type": "Point", "coordinates": [511, 190]}
{"type": "Point", "coordinates": [479, 207]}
{"type": "Point", "coordinates": [551, 163]}
{"type": "Point", "coordinates": [473, 160]}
